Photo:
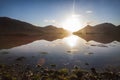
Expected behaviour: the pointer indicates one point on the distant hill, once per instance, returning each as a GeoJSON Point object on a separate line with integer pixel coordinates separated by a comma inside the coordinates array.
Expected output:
{"type": "Point", "coordinates": [10, 26]}
{"type": "Point", "coordinates": [15, 33]}
{"type": "Point", "coordinates": [104, 28]}
{"type": "Point", "coordinates": [50, 29]}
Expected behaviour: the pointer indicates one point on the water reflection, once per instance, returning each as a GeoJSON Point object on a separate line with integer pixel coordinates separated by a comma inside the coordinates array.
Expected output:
{"type": "Point", "coordinates": [7, 42]}
{"type": "Point", "coordinates": [71, 40]}
{"type": "Point", "coordinates": [45, 52]}
{"type": "Point", "coordinates": [102, 38]}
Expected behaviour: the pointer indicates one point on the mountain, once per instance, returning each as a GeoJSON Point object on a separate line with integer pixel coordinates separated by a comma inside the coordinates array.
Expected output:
{"type": "Point", "coordinates": [15, 33]}
{"type": "Point", "coordinates": [118, 26]}
{"type": "Point", "coordinates": [53, 29]}
{"type": "Point", "coordinates": [104, 28]}
{"type": "Point", "coordinates": [103, 33]}
{"type": "Point", "coordinates": [10, 26]}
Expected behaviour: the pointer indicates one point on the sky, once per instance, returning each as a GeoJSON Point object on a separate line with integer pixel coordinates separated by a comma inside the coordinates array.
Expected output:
{"type": "Point", "coordinates": [54, 12]}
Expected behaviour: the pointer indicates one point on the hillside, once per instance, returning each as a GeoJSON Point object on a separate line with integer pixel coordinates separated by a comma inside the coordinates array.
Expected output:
{"type": "Point", "coordinates": [105, 28]}
{"type": "Point", "coordinates": [10, 26]}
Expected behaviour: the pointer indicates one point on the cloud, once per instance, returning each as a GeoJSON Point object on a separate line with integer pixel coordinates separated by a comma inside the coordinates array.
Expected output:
{"type": "Point", "coordinates": [89, 11]}
{"type": "Point", "coordinates": [76, 15]}
{"type": "Point", "coordinates": [49, 21]}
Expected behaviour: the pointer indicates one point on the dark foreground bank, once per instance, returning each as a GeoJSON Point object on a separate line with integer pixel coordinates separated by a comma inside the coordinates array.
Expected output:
{"type": "Point", "coordinates": [17, 72]}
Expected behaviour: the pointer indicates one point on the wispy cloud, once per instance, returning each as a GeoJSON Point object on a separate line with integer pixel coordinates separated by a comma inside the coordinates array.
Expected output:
{"type": "Point", "coordinates": [89, 11]}
{"type": "Point", "coordinates": [49, 21]}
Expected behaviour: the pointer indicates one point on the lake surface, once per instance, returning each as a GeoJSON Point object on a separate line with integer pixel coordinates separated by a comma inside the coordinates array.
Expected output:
{"type": "Point", "coordinates": [66, 52]}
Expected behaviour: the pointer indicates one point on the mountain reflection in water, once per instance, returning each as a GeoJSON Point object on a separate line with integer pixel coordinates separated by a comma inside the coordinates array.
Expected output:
{"type": "Point", "coordinates": [101, 38]}
{"type": "Point", "coordinates": [64, 52]}
{"type": "Point", "coordinates": [7, 42]}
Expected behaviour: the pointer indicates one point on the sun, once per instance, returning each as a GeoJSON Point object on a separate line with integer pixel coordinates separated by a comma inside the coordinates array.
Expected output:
{"type": "Point", "coordinates": [72, 23]}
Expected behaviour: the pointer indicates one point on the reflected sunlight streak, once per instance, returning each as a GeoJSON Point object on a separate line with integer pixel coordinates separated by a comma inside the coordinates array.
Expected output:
{"type": "Point", "coordinates": [71, 40]}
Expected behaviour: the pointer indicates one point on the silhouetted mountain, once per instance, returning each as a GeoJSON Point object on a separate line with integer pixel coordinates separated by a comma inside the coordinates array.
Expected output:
{"type": "Point", "coordinates": [53, 29]}
{"type": "Point", "coordinates": [10, 26]}
{"type": "Point", "coordinates": [15, 33]}
{"type": "Point", "coordinates": [103, 33]}
{"type": "Point", "coordinates": [105, 28]}
{"type": "Point", "coordinates": [118, 26]}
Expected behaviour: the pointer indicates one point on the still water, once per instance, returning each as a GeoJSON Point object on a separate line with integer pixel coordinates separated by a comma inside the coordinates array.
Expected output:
{"type": "Point", "coordinates": [66, 52]}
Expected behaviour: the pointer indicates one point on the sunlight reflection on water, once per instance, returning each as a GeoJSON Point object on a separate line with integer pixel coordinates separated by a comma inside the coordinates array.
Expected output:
{"type": "Point", "coordinates": [71, 40]}
{"type": "Point", "coordinates": [71, 50]}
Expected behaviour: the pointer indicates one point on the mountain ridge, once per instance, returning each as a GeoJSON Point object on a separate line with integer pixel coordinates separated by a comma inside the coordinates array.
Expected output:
{"type": "Point", "coordinates": [9, 26]}
{"type": "Point", "coordinates": [104, 28]}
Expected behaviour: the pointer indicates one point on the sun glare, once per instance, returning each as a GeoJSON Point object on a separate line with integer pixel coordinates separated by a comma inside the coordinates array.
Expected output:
{"type": "Point", "coordinates": [73, 23]}
{"type": "Point", "coordinates": [71, 40]}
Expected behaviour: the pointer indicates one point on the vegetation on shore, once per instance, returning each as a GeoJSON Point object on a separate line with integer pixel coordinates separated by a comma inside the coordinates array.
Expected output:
{"type": "Point", "coordinates": [17, 72]}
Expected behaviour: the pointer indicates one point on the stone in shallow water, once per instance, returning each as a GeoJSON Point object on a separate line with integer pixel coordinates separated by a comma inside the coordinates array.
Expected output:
{"type": "Point", "coordinates": [44, 52]}
{"type": "Point", "coordinates": [20, 58]}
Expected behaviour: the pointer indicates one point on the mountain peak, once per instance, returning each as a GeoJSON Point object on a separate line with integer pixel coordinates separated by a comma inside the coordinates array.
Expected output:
{"type": "Point", "coordinates": [105, 25]}
{"type": "Point", "coordinates": [5, 18]}
{"type": "Point", "coordinates": [88, 26]}
{"type": "Point", "coordinates": [104, 28]}
{"type": "Point", "coordinates": [50, 26]}
{"type": "Point", "coordinates": [12, 26]}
